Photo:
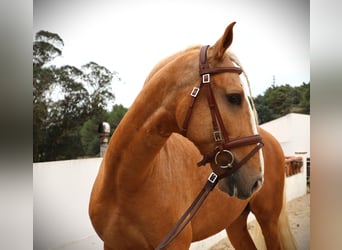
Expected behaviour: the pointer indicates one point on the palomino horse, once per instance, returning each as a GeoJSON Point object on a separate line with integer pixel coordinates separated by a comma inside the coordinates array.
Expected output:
{"type": "Point", "coordinates": [148, 176]}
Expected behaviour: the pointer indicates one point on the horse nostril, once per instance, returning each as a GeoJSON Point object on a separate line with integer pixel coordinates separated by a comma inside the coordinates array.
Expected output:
{"type": "Point", "coordinates": [257, 185]}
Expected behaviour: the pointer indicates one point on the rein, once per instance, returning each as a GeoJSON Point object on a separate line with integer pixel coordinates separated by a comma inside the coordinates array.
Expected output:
{"type": "Point", "coordinates": [225, 163]}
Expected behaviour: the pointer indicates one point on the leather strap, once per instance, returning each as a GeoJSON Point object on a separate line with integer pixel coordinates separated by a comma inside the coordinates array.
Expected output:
{"type": "Point", "coordinates": [236, 143]}
{"type": "Point", "coordinates": [190, 212]}
{"type": "Point", "coordinates": [204, 67]}
{"type": "Point", "coordinates": [188, 114]}
{"type": "Point", "coordinates": [236, 165]}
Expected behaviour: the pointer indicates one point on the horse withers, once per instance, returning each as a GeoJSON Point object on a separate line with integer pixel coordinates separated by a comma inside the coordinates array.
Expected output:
{"type": "Point", "coordinates": [192, 106]}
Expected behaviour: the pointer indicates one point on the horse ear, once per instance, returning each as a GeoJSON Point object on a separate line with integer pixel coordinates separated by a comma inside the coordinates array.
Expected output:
{"type": "Point", "coordinates": [224, 42]}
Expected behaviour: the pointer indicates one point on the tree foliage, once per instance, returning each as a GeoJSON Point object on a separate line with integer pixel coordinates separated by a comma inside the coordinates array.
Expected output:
{"type": "Point", "coordinates": [46, 47]}
{"type": "Point", "coordinates": [88, 132]}
{"type": "Point", "coordinates": [65, 99]}
{"type": "Point", "coordinates": [278, 101]}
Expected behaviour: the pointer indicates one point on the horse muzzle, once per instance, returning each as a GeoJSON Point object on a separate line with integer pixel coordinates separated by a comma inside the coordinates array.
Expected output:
{"type": "Point", "coordinates": [239, 186]}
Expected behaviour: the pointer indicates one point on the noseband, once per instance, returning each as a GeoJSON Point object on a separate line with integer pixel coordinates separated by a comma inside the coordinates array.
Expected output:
{"type": "Point", "coordinates": [223, 167]}
{"type": "Point", "coordinates": [222, 156]}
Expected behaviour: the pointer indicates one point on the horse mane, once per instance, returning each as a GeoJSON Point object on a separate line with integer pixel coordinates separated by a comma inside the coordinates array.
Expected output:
{"type": "Point", "coordinates": [236, 60]}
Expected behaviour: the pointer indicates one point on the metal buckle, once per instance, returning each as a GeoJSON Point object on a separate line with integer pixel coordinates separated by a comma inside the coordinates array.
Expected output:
{"type": "Point", "coordinates": [194, 92]}
{"type": "Point", "coordinates": [217, 136]}
{"type": "Point", "coordinates": [212, 177]}
{"type": "Point", "coordinates": [227, 164]}
{"type": "Point", "coordinates": [206, 78]}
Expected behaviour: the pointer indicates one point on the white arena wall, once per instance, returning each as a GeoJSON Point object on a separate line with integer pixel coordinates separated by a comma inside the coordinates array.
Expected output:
{"type": "Point", "coordinates": [61, 195]}
{"type": "Point", "coordinates": [293, 133]}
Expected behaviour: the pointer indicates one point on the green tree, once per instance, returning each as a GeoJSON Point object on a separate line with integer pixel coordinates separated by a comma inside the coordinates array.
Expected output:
{"type": "Point", "coordinates": [90, 138]}
{"type": "Point", "coordinates": [278, 101]}
{"type": "Point", "coordinates": [67, 114]}
{"type": "Point", "coordinates": [264, 112]}
{"type": "Point", "coordinates": [97, 80]}
{"type": "Point", "coordinates": [116, 115]}
{"type": "Point", "coordinates": [46, 47]}
{"type": "Point", "coordinates": [64, 98]}
{"type": "Point", "coordinates": [304, 103]}
{"type": "Point", "coordinates": [89, 131]}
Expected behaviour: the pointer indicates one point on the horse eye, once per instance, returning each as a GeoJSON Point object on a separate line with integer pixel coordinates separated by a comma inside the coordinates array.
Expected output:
{"type": "Point", "coordinates": [235, 99]}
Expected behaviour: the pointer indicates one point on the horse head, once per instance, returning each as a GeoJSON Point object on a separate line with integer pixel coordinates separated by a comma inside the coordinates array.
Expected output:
{"type": "Point", "coordinates": [214, 112]}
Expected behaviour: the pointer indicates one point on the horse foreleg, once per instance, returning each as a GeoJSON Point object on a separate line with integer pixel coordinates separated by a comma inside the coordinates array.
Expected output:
{"type": "Point", "coordinates": [268, 221]}
{"type": "Point", "coordinates": [238, 233]}
{"type": "Point", "coordinates": [272, 218]}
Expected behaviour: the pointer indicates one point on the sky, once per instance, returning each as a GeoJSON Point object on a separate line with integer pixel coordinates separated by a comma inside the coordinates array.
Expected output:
{"type": "Point", "coordinates": [271, 38]}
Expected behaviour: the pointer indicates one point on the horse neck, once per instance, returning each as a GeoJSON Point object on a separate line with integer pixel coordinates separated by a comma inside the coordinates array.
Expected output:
{"type": "Point", "coordinates": [138, 138]}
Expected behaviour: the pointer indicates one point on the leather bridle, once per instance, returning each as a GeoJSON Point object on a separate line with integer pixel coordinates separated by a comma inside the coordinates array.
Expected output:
{"type": "Point", "coordinates": [223, 144]}
{"type": "Point", "coordinates": [222, 158]}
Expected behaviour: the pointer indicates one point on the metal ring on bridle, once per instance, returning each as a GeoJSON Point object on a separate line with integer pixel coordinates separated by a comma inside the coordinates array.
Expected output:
{"type": "Point", "coordinates": [228, 164]}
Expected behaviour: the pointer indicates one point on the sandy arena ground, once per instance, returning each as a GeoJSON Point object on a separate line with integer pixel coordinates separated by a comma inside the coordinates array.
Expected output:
{"type": "Point", "coordinates": [299, 218]}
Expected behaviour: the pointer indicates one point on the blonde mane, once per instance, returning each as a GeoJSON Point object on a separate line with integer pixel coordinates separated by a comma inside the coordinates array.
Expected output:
{"type": "Point", "coordinates": [236, 60]}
